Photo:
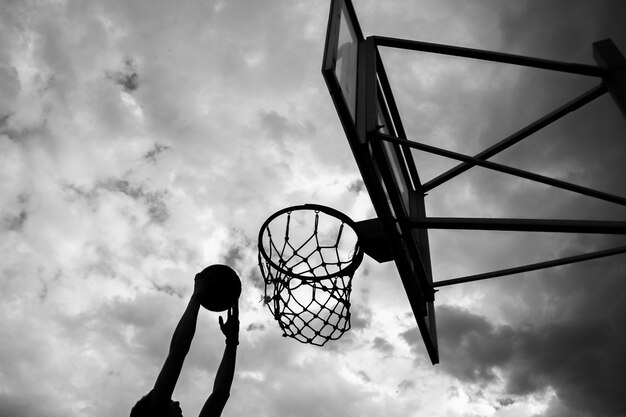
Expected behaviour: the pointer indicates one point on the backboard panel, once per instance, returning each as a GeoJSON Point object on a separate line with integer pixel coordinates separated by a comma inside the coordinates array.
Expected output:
{"type": "Point", "coordinates": [402, 185]}
{"type": "Point", "coordinates": [343, 38]}
{"type": "Point", "coordinates": [362, 97]}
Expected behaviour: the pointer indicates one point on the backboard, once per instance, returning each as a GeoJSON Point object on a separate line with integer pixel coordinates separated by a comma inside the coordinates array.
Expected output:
{"type": "Point", "coordinates": [363, 99]}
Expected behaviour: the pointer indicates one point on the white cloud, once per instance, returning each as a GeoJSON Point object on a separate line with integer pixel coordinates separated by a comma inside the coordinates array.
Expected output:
{"type": "Point", "coordinates": [141, 141]}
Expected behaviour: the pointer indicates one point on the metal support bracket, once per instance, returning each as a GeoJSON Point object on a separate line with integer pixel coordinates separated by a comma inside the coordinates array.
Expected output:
{"type": "Point", "coordinates": [609, 56]}
{"type": "Point", "coordinates": [373, 239]}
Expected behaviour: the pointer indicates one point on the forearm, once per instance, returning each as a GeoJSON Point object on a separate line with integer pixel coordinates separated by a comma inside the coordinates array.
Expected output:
{"type": "Point", "coordinates": [226, 371]}
{"type": "Point", "coordinates": [186, 328]}
{"type": "Point", "coordinates": [179, 347]}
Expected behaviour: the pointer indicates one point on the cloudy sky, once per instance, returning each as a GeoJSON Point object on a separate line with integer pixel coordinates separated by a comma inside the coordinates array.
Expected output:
{"type": "Point", "coordinates": [143, 140]}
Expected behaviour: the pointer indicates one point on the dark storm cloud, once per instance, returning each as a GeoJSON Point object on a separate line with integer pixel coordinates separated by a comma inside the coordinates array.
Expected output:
{"type": "Point", "coordinates": [9, 91]}
{"type": "Point", "coordinates": [15, 407]}
{"type": "Point", "coordinates": [104, 263]}
{"type": "Point", "coordinates": [487, 102]}
{"type": "Point", "coordinates": [383, 346]}
{"type": "Point", "coordinates": [128, 78]}
{"type": "Point", "coordinates": [579, 147]}
{"type": "Point", "coordinates": [21, 130]}
{"type": "Point", "coordinates": [356, 186]}
{"type": "Point", "coordinates": [562, 327]}
{"type": "Point", "coordinates": [405, 385]}
{"type": "Point", "coordinates": [122, 186]}
{"type": "Point", "coordinates": [413, 338]}
{"type": "Point", "coordinates": [364, 376]}
{"type": "Point", "coordinates": [154, 201]}
{"type": "Point", "coordinates": [505, 402]}
{"type": "Point", "coordinates": [254, 277]}
{"type": "Point", "coordinates": [579, 355]}
{"type": "Point", "coordinates": [255, 326]}
{"type": "Point", "coordinates": [563, 331]}
{"type": "Point", "coordinates": [20, 406]}
{"type": "Point", "coordinates": [361, 317]}
{"type": "Point", "coordinates": [3, 121]}
{"type": "Point", "coordinates": [16, 222]}
{"type": "Point", "coordinates": [234, 255]}
{"type": "Point", "coordinates": [167, 289]}
{"type": "Point", "coordinates": [157, 208]}
{"type": "Point", "coordinates": [153, 153]}
{"type": "Point", "coordinates": [556, 26]}
{"type": "Point", "coordinates": [280, 128]}
{"type": "Point", "coordinates": [471, 358]}
{"type": "Point", "coordinates": [48, 281]}
{"type": "Point", "coordinates": [201, 71]}
{"type": "Point", "coordinates": [241, 254]}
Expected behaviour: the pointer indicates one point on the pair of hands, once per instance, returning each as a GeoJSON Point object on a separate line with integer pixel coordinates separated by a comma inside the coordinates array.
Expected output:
{"type": "Point", "coordinates": [230, 328]}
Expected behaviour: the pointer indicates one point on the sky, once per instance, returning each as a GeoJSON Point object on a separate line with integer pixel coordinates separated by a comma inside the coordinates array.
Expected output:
{"type": "Point", "coordinates": [143, 140]}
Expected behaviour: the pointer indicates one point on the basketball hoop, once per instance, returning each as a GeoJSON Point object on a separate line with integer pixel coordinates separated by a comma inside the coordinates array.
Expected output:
{"type": "Point", "coordinates": [308, 255]}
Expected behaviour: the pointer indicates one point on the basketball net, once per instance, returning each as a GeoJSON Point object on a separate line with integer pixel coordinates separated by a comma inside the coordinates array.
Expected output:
{"type": "Point", "coordinates": [307, 256]}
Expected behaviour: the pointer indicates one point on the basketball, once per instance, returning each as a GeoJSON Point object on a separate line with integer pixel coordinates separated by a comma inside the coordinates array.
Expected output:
{"type": "Point", "coordinates": [220, 287]}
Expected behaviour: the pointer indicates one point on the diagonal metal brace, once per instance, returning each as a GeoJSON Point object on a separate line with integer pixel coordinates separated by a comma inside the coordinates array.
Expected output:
{"type": "Point", "coordinates": [435, 48]}
{"type": "Point", "coordinates": [505, 169]}
{"type": "Point", "coordinates": [521, 225]}
{"type": "Point", "coordinates": [532, 267]}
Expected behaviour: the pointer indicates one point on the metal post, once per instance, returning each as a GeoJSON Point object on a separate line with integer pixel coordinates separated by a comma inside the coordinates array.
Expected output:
{"type": "Point", "coordinates": [525, 61]}
{"type": "Point", "coordinates": [532, 267]}
{"type": "Point", "coordinates": [521, 225]}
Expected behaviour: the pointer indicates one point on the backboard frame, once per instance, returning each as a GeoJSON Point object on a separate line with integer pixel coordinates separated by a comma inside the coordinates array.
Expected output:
{"type": "Point", "coordinates": [388, 170]}
{"type": "Point", "coordinates": [372, 124]}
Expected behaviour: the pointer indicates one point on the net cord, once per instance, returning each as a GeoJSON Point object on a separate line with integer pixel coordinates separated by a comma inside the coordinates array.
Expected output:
{"type": "Point", "coordinates": [326, 315]}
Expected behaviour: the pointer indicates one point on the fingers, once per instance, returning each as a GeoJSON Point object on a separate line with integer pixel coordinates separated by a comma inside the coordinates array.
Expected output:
{"type": "Point", "coordinates": [233, 312]}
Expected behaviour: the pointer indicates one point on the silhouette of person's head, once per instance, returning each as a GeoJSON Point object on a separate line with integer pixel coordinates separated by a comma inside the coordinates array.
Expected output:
{"type": "Point", "coordinates": [142, 408]}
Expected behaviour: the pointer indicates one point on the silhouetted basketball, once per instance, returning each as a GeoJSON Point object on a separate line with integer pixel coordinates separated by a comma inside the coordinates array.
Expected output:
{"type": "Point", "coordinates": [221, 287]}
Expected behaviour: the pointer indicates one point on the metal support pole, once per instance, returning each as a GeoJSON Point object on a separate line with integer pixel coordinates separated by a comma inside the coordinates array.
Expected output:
{"type": "Point", "coordinates": [520, 225]}
{"type": "Point", "coordinates": [525, 61]}
{"type": "Point", "coordinates": [531, 267]}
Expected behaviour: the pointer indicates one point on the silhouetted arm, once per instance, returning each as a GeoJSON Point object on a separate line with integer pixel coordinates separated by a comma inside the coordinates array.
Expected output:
{"type": "Point", "coordinates": [224, 377]}
{"type": "Point", "coordinates": [179, 347]}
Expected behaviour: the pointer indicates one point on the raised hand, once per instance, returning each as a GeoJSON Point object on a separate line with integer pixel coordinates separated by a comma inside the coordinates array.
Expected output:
{"type": "Point", "coordinates": [200, 286]}
{"type": "Point", "coordinates": [231, 327]}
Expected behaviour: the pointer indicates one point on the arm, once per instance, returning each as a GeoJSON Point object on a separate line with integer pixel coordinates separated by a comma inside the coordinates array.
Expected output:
{"type": "Point", "coordinates": [179, 347]}
{"type": "Point", "coordinates": [224, 378]}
